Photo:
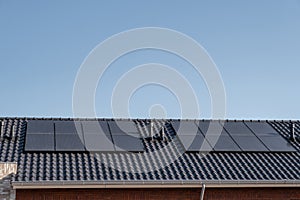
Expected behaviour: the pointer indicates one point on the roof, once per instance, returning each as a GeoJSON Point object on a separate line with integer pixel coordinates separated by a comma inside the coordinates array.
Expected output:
{"type": "Point", "coordinates": [161, 163]}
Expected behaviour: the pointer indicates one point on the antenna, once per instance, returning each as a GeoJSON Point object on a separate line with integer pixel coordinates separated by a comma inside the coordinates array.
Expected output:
{"type": "Point", "coordinates": [151, 130]}
{"type": "Point", "coordinates": [292, 137]}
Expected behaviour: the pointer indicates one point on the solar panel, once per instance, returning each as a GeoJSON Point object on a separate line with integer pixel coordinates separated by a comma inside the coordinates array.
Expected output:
{"type": "Point", "coordinates": [97, 136]}
{"type": "Point", "coordinates": [125, 136]}
{"type": "Point", "coordinates": [40, 126]}
{"type": "Point", "coordinates": [39, 142]}
{"type": "Point", "coordinates": [262, 128]}
{"type": "Point", "coordinates": [39, 136]}
{"type": "Point", "coordinates": [194, 143]}
{"type": "Point", "coordinates": [185, 127]}
{"type": "Point", "coordinates": [68, 138]}
{"type": "Point", "coordinates": [211, 128]}
{"type": "Point", "coordinates": [121, 127]}
{"type": "Point", "coordinates": [93, 126]}
{"type": "Point", "coordinates": [67, 127]}
{"type": "Point", "coordinates": [244, 137]}
{"type": "Point", "coordinates": [222, 143]}
{"type": "Point", "coordinates": [211, 134]}
{"type": "Point", "coordinates": [68, 142]}
{"type": "Point", "coordinates": [127, 143]}
{"type": "Point", "coordinates": [277, 143]}
{"type": "Point", "coordinates": [249, 143]}
{"type": "Point", "coordinates": [237, 128]}
{"type": "Point", "coordinates": [270, 137]}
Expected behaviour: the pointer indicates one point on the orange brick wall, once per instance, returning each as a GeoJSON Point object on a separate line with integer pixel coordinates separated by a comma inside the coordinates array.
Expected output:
{"type": "Point", "coordinates": [161, 194]}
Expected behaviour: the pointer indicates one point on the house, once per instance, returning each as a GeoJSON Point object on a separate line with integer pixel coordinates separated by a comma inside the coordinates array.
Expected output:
{"type": "Point", "coordinates": [55, 158]}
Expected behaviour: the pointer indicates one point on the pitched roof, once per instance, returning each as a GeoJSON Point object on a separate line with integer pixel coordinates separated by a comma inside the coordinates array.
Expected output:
{"type": "Point", "coordinates": [161, 161]}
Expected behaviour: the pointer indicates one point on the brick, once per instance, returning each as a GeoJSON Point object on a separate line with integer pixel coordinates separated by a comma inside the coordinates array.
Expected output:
{"type": "Point", "coordinates": [161, 194]}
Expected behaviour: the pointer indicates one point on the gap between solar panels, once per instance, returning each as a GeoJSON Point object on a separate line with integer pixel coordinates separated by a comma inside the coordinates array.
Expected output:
{"type": "Point", "coordinates": [235, 136]}
{"type": "Point", "coordinates": [90, 135]}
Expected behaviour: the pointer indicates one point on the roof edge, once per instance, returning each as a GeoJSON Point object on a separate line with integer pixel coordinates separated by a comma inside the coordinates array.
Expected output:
{"type": "Point", "coordinates": [120, 118]}
{"type": "Point", "coordinates": [153, 184]}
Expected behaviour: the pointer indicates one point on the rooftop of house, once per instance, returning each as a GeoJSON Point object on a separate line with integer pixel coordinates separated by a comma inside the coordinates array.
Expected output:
{"type": "Point", "coordinates": [57, 151]}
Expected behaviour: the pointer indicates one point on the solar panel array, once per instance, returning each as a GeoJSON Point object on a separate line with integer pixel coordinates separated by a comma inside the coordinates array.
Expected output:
{"type": "Point", "coordinates": [230, 136]}
{"type": "Point", "coordinates": [80, 136]}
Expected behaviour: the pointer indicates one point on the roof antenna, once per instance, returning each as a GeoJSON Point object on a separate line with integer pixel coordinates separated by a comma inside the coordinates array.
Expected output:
{"type": "Point", "coordinates": [151, 130]}
{"type": "Point", "coordinates": [292, 137]}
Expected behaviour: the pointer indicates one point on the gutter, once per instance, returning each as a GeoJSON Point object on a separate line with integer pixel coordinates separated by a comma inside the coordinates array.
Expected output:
{"type": "Point", "coordinates": [153, 184]}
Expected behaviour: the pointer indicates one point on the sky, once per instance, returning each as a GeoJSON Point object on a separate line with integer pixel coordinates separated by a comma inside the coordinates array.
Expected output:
{"type": "Point", "coordinates": [254, 44]}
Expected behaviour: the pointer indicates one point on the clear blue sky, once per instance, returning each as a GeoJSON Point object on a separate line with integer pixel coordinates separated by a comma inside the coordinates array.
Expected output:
{"type": "Point", "coordinates": [255, 45]}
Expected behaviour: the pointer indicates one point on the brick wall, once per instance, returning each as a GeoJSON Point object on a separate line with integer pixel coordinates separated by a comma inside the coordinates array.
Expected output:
{"type": "Point", "coordinates": [161, 194]}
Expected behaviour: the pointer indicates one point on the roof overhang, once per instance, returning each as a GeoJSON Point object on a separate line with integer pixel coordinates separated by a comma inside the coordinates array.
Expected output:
{"type": "Point", "coordinates": [153, 184]}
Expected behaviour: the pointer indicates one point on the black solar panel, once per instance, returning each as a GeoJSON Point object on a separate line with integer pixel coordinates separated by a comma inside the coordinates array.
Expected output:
{"type": "Point", "coordinates": [194, 143]}
{"type": "Point", "coordinates": [249, 143]}
{"type": "Point", "coordinates": [122, 127]}
{"type": "Point", "coordinates": [222, 143]}
{"type": "Point", "coordinates": [204, 136]}
{"type": "Point", "coordinates": [85, 135]}
{"type": "Point", "coordinates": [39, 142]}
{"type": "Point", "coordinates": [270, 137]}
{"type": "Point", "coordinates": [237, 128]}
{"type": "Point", "coordinates": [97, 136]}
{"type": "Point", "coordinates": [277, 143]}
{"type": "Point", "coordinates": [40, 126]}
{"type": "Point", "coordinates": [68, 142]}
{"type": "Point", "coordinates": [40, 136]}
{"type": "Point", "coordinates": [69, 136]}
{"type": "Point", "coordinates": [127, 143]}
{"type": "Point", "coordinates": [67, 127]}
{"type": "Point", "coordinates": [262, 128]}
{"type": "Point", "coordinates": [125, 136]}
{"type": "Point", "coordinates": [244, 137]}
{"type": "Point", "coordinates": [211, 128]}
{"type": "Point", "coordinates": [185, 127]}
